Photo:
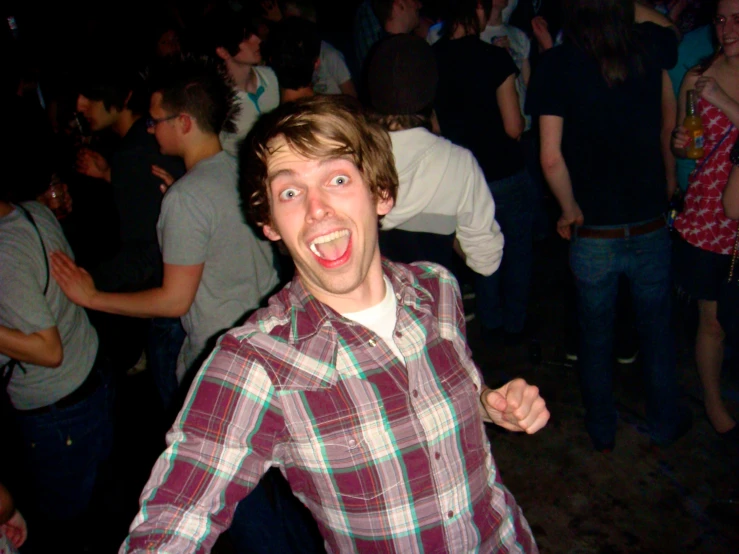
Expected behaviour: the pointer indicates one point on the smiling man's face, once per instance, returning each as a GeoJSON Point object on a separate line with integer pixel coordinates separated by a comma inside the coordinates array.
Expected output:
{"type": "Point", "coordinates": [326, 216]}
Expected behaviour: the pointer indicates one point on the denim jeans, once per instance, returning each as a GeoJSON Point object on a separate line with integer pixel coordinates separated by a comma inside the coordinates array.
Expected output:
{"type": "Point", "coordinates": [502, 298]}
{"type": "Point", "coordinates": [270, 519]}
{"type": "Point", "coordinates": [597, 264]}
{"type": "Point", "coordinates": [62, 450]}
{"type": "Point", "coordinates": [164, 342]}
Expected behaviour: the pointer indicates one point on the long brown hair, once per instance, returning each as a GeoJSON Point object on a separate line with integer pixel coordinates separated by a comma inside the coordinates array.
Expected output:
{"type": "Point", "coordinates": [604, 30]}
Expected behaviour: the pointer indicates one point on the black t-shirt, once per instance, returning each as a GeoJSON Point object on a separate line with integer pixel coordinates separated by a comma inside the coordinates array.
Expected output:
{"type": "Point", "coordinates": [470, 72]}
{"type": "Point", "coordinates": [611, 135]}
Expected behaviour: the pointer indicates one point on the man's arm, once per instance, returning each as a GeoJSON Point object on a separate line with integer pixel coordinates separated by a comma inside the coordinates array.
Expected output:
{"type": "Point", "coordinates": [218, 449]}
{"type": "Point", "coordinates": [172, 299]}
{"type": "Point", "coordinates": [42, 348]}
{"type": "Point", "coordinates": [556, 173]}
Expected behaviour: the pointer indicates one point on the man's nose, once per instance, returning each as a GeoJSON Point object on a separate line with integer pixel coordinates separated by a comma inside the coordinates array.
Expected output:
{"type": "Point", "coordinates": [318, 205]}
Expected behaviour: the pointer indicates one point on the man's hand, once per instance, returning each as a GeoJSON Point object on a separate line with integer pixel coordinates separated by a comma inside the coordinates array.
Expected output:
{"type": "Point", "coordinates": [93, 164]}
{"type": "Point", "coordinates": [571, 216]}
{"type": "Point", "coordinates": [165, 176]}
{"type": "Point", "coordinates": [516, 406]}
{"type": "Point", "coordinates": [502, 42]}
{"type": "Point", "coordinates": [15, 529]}
{"type": "Point", "coordinates": [76, 283]}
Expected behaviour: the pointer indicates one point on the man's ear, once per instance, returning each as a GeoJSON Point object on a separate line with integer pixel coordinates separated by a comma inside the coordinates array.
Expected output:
{"type": "Point", "coordinates": [222, 53]}
{"type": "Point", "coordinates": [271, 233]}
{"type": "Point", "coordinates": [385, 203]}
{"type": "Point", "coordinates": [128, 99]}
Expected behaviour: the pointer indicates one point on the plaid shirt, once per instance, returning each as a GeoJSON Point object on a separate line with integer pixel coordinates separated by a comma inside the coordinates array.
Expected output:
{"type": "Point", "coordinates": [388, 457]}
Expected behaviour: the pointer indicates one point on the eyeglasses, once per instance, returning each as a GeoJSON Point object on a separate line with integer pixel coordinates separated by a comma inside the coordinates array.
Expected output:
{"type": "Point", "coordinates": [152, 122]}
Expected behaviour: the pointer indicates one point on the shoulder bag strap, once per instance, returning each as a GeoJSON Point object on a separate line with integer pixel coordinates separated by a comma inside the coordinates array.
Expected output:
{"type": "Point", "coordinates": [6, 371]}
{"type": "Point", "coordinates": [29, 217]}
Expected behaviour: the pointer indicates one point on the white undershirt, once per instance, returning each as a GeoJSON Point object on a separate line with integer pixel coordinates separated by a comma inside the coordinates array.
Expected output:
{"type": "Point", "coordinates": [381, 318]}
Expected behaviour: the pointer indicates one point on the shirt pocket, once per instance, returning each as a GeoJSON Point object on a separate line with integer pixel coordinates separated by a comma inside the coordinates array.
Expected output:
{"type": "Point", "coordinates": [350, 452]}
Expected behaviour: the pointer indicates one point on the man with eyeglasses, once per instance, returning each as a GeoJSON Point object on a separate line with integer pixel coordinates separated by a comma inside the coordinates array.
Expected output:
{"type": "Point", "coordinates": [215, 268]}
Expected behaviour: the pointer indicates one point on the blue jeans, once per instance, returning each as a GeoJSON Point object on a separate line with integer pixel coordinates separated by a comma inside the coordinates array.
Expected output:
{"type": "Point", "coordinates": [502, 298]}
{"type": "Point", "coordinates": [164, 342]}
{"type": "Point", "coordinates": [270, 519]}
{"type": "Point", "coordinates": [597, 264]}
{"type": "Point", "coordinates": [62, 450]}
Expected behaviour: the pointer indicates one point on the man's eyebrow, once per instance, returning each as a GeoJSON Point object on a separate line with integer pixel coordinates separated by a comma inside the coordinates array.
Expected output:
{"type": "Point", "coordinates": [281, 173]}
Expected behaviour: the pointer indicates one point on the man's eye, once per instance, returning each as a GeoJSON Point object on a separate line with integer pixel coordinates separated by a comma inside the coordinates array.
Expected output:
{"type": "Point", "coordinates": [340, 180]}
{"type": "Point", "coordinates": [288, 194]}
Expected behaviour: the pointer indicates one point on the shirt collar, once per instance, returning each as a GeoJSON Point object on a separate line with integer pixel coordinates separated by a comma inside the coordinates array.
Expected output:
{"type": "Point", "coordinates": [309, 315]}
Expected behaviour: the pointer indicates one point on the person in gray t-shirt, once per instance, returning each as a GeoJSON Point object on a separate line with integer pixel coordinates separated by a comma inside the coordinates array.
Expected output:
{"type": "Point", "coordinates": [216, 270]}
{"type": "Point", "coordinates": [57, 333]}
{"type": "Point", "coordinates": [201, 224]}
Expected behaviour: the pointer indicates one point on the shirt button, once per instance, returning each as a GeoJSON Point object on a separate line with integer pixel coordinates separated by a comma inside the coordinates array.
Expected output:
{"type": "Point", "coordinates": [450, 514]}
{"type": "Point", "coordinates": [372, 342]}
{"type": "Point", "coordinates": [397, 295]}
{"type": "Point", "coordinates": [437, 455]}
{"type": "Point", "coordinates": [415, 393]}
{"type": "Point", "coordinates": [398, 334]}
{"type": "Point", "coordinates": [352, 443]}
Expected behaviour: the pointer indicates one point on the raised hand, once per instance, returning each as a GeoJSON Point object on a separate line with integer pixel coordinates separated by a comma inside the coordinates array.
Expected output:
{"type": "Point", "coordinates": [516, 406]}
{"type": "Point", "coordinates": [93, 164]}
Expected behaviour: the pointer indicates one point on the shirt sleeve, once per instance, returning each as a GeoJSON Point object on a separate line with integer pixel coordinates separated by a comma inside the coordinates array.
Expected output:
{"type": "Point", "coordinates": [218, 450]}
{"type": "Point", "coordinates": [477, 230]}
{"type": "Point", "coordinates": [546, 94]}
{"type": "Point", "coordinates": [337, 65]}
{"type": "Point", "coordinates": [502, 64]}
{"type": "Point", "coordinates": [185, 227]}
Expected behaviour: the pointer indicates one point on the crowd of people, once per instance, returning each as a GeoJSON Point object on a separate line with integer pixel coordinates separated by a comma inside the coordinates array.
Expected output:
{"type": "Point", "coordinates": [279, 232]}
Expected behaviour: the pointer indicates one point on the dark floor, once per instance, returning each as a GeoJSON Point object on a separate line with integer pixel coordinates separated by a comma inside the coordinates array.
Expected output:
{"type": "Point", "coordinates": [633, 500]}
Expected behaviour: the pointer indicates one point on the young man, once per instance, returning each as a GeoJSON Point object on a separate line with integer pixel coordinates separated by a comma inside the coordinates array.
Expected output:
{"type": "Point", "coordinates": [356, 380]}
{"type": "Point", "coordinates": [113, 98]}
{"type": "Point", "coordinates": [215, 268]}
{"type": "Point", "coordinates": [234, 40]}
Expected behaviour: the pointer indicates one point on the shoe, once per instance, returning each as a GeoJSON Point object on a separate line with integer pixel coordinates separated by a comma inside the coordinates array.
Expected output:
{"type": "Point", "coordinates": [629, 357]}
{"type": "Point", "coordinates": [138, 367]}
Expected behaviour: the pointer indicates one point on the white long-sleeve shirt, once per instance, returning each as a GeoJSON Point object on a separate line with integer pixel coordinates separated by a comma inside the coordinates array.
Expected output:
{"type": "Point", "coordinates": [443, 190]}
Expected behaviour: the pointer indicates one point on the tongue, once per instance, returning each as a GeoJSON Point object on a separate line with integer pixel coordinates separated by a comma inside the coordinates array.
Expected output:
{"type": "Point", "coordinates": [334, 249]}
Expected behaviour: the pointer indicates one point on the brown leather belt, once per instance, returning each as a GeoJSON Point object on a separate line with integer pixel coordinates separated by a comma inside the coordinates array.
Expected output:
{"type": "Point", "coordinates": [89, 386]}
{"type": "Point", "coordinates": [621, 232]}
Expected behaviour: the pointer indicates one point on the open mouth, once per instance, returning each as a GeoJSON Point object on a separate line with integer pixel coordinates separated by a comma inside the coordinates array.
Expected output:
{"type": "Point", "coordinates": [333, 248]}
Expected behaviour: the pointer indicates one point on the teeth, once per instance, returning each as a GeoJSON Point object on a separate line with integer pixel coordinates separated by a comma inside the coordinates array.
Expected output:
{"type": "Point", "coordinates": [327, 238]}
